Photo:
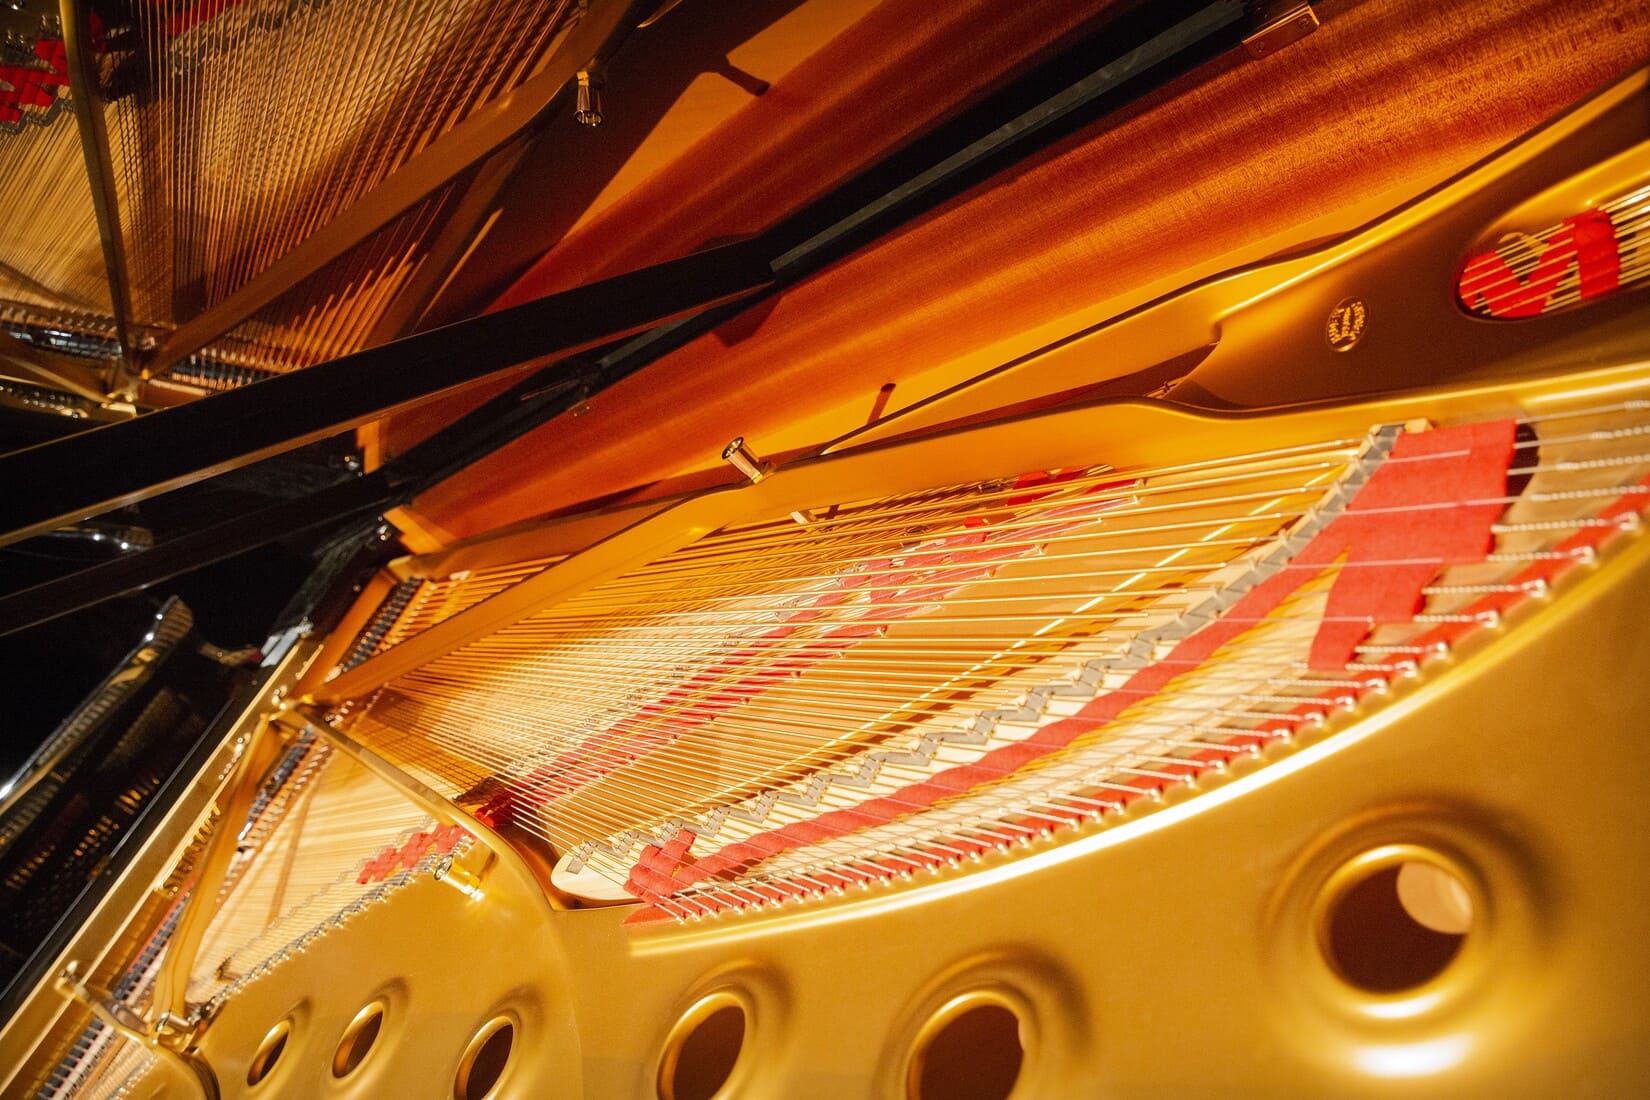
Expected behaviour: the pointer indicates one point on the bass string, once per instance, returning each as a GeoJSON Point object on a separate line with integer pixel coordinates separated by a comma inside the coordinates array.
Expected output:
{"type": "Point", "coordinates": [312, 859]}
{"type": "Point", "coordinates": [939, 581]}
{"type": "Point", "coordinates": [1259, 714]}
{"type": "Point", "coordinates": [654, 780]}
{"type": "Point", "coordinates": [238, 151]}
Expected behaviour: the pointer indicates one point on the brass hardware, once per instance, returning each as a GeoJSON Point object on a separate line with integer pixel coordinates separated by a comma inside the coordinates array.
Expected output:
{"type": "Point", "coordinates": [739, 455]}
{"type": "Point", "coordinates": [1346, 323]}
{"type": "Point", "coordinates": [1281, 24]}
{"type": "Point", "coordinates": [587, 106]}
{"type": "Point", "coordinates": [459, 877]}
{"type": "Point", "coordinates": [104, 1006]}
{"type": "Point", "coordinates": [179, 1034]}
{"type": "Point", "coordinates": [170, 1041]}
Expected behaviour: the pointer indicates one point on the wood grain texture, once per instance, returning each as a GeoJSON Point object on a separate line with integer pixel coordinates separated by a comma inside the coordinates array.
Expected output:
{"type": "Point", "coordinates": [889, 77]}
{"type": "Point", "coordinates": [1388, 96]}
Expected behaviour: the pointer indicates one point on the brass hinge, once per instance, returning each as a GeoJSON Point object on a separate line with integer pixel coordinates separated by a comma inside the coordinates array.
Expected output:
{"type": "Point", "coordinates": [1278, 25]}
{"type": "Point", "coordinates": [170, 1038]}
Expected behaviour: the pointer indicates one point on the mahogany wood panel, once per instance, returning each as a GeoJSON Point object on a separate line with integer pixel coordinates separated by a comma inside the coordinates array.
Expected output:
{"type": "Point", "coordinates": [1388, 95]}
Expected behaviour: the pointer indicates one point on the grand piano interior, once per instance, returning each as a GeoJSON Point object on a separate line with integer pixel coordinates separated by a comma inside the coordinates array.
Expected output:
{"type": "Point", "coordinates": [825, 548]}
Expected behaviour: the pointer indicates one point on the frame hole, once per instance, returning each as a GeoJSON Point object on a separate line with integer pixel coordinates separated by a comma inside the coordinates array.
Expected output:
{"type": "Point", "coordinates": [484, 1060]}
{"type": "Point", "coordinates": [699, 1060]}
{"type": "Point", "coordinates": [975, 1054]}
{"type": "Point", "coordinates": [358, 1039]}
{"type": "Point", "coordinates": [1398, 926]}
{"type": "Point", "coordinates": [268, 1052]}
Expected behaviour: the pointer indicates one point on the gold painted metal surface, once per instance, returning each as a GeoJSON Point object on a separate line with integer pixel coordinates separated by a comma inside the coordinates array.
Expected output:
{"type": "Point", "coordinates": [1206, 912]}
{"type": "Point", "coordinates": [1201, 915]}
{"type": "Point", "coordinates": [603, 663]}
{"type": "Point", "coordinates": [1185, 946]}
{"type": "Point", "coordinates": [47, 1011]}
{"type": "Point", "coordinates": [257, 756]}
{"type": "Point", "coordinates": [54, 371]}
{"type": "Point", "coordinates": [94, 142]}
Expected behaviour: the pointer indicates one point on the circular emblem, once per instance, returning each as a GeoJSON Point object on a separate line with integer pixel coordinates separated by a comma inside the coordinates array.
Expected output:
{"type": "Point", "coordinates": [1346, 323]}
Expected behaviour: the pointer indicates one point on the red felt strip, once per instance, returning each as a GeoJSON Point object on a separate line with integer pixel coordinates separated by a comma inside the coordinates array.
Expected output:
{"type": "Point", "coordinates": [442, 839]}
{"type": "Point", "coordinates": [1586, 242]}
{"type": "Point", "coordinates": [1430, 472]}
{"type": "Point", "coordinates": [889, 593]}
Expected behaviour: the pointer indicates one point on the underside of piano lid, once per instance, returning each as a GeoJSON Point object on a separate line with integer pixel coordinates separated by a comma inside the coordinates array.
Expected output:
{"type": "Point", "coordinates": [903, 688]}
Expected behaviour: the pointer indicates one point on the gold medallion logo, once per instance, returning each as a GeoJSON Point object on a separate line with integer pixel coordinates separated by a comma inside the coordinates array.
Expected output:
{"type": "Point", "coordinates": [1346, 323]}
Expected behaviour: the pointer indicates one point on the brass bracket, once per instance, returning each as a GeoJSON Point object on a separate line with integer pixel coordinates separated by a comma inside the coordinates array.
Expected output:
{"type": "Point", "coordinates": [169, 1038]}
{"type": "Point", "coordinates": [460, 878]}
{"type": "Point", "coordinates": [470, 881]}
{"type": "Point", "coordinates": [180, 1033]}
{"type": "Point", "coordinates": [1280, 24]}
{"type": "Point", "coordinates": [587, 103]}
{"type": "Point", "coordinates": [739, 455]}
{"type": "Point", "coordinates": [117, 1014]}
